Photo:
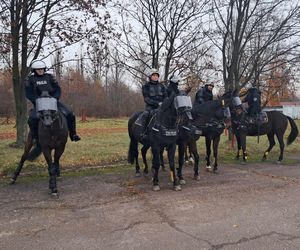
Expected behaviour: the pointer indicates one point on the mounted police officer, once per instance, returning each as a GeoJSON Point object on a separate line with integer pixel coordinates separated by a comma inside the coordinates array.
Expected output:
{"type": "Point", "coordinates": [39, 82]}
{"type": "Point", "coordinates": [154, 93]}
{"type": "Point", "coordinates": [204, 94]}
{"type": "Point", "coordinates": [253, 99]}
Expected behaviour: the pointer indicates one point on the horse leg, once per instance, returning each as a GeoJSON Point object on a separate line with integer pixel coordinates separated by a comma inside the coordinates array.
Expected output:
{"type": "Point", "coordinates": [181, 151]}
{"type": "Point", "coordinates": [155, 166]}
{"type": "Point", "coordinates": [188, 158]}
{"type": "Point", "coordinates": [244, 149]}
{"type": "Point", "coordinates": [208, 152]}
{"type": "Point", "coordinates": [137, 165]}
{"type": "Point", "coordinates": [238, 142]}
{"type": "Point", "coordinates": [194, 151]}
{"type": "Point", "coordinates": [52, 170]}
{"type": "Point", "coordinates": [133, 154]}
{"type": "Point", "coordinates": [271, 145]}
{"type": "Point", "coordinates": [186, 155]}
{"type": "Point", "coordinates": [281, 144]}
{"type": "Point", "coordinates": [171, 158]}
{"type": "Point", "coordinates": [161, 159]}
{"type": "Point", "coordinates": [27, 147]}
{"type": "Point", "coordinates": [57, 154]}
{"type": "Point", "coordinates": [144, 154]}
{"type": "Point", "coordinates": [216, 142]}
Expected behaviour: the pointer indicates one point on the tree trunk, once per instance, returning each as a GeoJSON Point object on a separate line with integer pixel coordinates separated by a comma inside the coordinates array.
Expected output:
{"type": "Point", "coordinates": [18, 86]}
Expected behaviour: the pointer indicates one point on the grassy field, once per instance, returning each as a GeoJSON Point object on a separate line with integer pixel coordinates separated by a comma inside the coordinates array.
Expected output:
{"type": "Point", "coordinates": [105, 141]}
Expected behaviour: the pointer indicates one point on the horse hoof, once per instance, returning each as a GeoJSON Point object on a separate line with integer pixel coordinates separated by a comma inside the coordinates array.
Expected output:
{"type": "Point", "coordinates": [177, 188]}
{"type": "Point", "coordinates": [208, 168]}
{"type": "Point", "coordinates": [54, 194]}
{"type": "Point", "coordinates": [182, 182]}
{"type": "Point", "coordinates": [155, 188]}
{"type": "Point", "coordinates": [137, 174]}
{"type": "Point", "coordinates": [197, 177]}
{"type": "Point", "coordinates": [12, 181]}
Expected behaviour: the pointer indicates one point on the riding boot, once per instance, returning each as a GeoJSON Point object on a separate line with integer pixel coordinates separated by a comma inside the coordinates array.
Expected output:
{"type": "Point", "coordinates": [72, 127]}
{"type": "Point", "coordinates": [145, 120]}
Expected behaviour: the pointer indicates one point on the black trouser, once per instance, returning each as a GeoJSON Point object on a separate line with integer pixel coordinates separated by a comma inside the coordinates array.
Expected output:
{"type": "Point", "coordinates": [71, 120]}
{"type": "Point", "coordinates": [146, 116]}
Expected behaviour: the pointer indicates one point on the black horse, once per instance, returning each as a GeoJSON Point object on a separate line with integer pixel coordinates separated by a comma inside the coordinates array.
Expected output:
{"type": "Point", "coordinates": [162, 131]}
{"type": "Point", "coordinates": [209, 120]}
{"type": "Point", "coordinates": [275, 124]}
{"type": "Point", "coordinates": [53, 135]}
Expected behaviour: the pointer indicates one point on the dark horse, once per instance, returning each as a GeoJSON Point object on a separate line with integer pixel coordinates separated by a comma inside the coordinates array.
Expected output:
{"type": "Point", "coordinates": [209, 120]}
{"type": "Point", "coordinates": [162, 131]}
{"type": "Point", "coordinates": [53, 135]}
{"type": "Point", "coordinates": [276, 124]}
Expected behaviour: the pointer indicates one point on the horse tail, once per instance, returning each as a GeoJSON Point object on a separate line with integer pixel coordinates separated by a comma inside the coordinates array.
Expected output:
{"type": "Point", "coordinates": [133, 150]}
{"type": "Point", "coordinates": [294, 131]}
{"type": "Point", "coordinates": [35, 152]}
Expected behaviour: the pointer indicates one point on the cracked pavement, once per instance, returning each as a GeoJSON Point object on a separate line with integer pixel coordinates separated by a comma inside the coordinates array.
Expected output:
{"type": "Point", "coordinates": [243, 207]}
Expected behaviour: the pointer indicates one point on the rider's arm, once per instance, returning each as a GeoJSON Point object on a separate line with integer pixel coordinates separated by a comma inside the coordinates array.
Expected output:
{"type": "Point", "coordinates": [147, 98]}
{"type": "Point", "coordinates": [200, 96]}
{"type": "Point", "coordinates": [30, 92]}
{"type": "Point", "coordinates": [56, 88]}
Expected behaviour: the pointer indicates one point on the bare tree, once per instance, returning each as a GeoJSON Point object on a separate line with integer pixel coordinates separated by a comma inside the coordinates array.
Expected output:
{"type": "Point", "coordinates": [40, 28]}
{"type": "Point", "coordinates": [253, 35]}
{"type": "Point", "coordinates": [158, 34]}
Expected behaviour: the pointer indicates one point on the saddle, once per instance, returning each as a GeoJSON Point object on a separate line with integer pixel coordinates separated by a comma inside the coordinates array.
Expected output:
{"type": "Point", "coordinates": [259, 119]}
{"type": "Point", "coordinates": [145, 118]}
{"type": "Point", "coordinates": [143, 121]}
{"type": "Point", "coordinates": [139, 120]}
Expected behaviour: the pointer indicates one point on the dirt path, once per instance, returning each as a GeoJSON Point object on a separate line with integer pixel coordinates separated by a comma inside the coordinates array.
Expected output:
{"type": "Point", "coordinates": [243, 207]}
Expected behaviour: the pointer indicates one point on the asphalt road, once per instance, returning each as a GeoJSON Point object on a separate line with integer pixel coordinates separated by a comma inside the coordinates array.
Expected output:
{"type": "Point", "coordinates": [243, 207]}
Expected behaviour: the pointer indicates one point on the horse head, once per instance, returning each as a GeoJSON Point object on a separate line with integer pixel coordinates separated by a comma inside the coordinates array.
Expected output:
{"type": "Point", "coordinates": [224, 111]}
{"type": "Point", "coordinates": [47, 110]}
{"type": "Point", "coordinates": [174, 108]}
{"type": "Point", "coordinates": [236, 108]}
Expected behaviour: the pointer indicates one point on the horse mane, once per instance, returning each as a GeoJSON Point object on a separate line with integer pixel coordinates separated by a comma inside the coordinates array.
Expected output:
{"type": "Point", "coordinates": [166, 103]}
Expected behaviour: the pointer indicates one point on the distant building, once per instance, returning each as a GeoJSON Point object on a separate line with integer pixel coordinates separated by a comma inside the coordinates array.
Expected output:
{"type": "Point", "coordinates": [273, 108]}
{"type": "Point", "coordinates": [291, 109]}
